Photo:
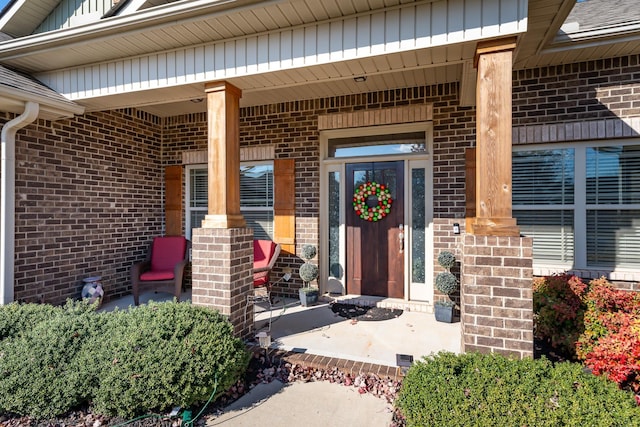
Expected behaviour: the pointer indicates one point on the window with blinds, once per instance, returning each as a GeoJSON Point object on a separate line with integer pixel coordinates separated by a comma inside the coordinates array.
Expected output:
{"type": "Point", "coordinates": [543, 196]}
{"type": "Point", "coordinates": [581, 204]}
{"type": "Point", "coordinates": [197, 198]}
{"type": "Point", "coordinates": [613, 206]}
{"type": "Point", "coordinates": [256, 197]}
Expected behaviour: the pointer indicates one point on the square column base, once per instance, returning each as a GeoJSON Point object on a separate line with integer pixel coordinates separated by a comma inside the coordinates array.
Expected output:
{"type": "Point", "coordinates": [222, 274]}
{"type": "Point", "coordinates": [497, 295]}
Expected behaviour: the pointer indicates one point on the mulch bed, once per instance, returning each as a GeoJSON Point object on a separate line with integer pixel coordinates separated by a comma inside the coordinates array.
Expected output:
{"type": "Point", "coordinates": [364, 313]}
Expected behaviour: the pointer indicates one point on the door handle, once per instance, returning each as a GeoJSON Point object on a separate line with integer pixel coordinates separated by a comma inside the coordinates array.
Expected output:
{"type": "Point", "coordinates": [401, 237]}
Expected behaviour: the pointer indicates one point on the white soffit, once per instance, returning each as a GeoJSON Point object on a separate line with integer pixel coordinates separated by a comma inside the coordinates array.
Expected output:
{"type": "Point", "coordinates": [424, 26]}
{"type": "Point", "coordinates": [30, 12]}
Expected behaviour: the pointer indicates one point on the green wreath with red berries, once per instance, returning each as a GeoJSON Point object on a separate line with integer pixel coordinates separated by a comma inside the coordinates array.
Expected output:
{"type": "Point", "coordinates": [379, 194]}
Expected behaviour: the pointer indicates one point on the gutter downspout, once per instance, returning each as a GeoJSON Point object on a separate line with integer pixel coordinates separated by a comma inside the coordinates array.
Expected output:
{"type": "Point", "coordinates": [8, 199]}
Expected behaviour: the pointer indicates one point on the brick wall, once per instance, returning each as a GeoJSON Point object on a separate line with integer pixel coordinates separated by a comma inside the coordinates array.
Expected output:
{"type": "Point", "coordinates": [88, 200]}
{"type": "Point", "coordinates": [292, 127]}
{"type": "Point", "coordinates": [497, 308]}
{"type": "Point", "coordinates": [577, 92]}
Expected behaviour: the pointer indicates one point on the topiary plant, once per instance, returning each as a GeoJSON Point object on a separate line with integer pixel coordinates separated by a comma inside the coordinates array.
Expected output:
{"type": "Point", "coordinates": [446, 260]}
{"type": "Point", "coordinates": [308, 252]}
{"type": "Point", "coordinates": [446, 282]}
{"type": "Point", "coordinates": [308, 272]}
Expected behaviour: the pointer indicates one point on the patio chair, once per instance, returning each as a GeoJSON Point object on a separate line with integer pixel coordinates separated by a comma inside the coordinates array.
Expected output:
{"type": "Point", "coordinates": [163, 269]}
{"type": "Point", "coordinates": [265, 254]}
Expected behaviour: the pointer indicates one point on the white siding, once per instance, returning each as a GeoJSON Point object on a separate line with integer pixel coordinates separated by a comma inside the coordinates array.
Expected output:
{"type": "Point", "coordinates": [71, 13]}
{"type": "Point", "coordinates": [403, 28]}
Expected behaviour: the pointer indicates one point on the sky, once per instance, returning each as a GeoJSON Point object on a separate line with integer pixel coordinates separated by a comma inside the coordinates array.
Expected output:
{"type": "Point", "coordinates": [3, 3]}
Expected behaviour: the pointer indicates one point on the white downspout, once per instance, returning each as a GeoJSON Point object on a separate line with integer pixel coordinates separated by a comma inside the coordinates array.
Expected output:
{"type": "Point", "coordinates": [8, 199]}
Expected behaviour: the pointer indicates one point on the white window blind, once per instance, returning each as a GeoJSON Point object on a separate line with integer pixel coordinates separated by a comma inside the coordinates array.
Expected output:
{"type": "Point", "coordinates": [580, 203]}
{"type": "Point", "coordinates": [256, 197]}
{"type": "Point", "coordinates": [197, 198]}
{"type": "Point", "coordinates": [543, 196]}
{"type": "Point", "coordinates": [612, 189]}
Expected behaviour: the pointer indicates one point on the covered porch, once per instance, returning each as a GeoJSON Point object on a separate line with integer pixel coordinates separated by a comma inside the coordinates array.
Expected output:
{"type": "Point", "coordinates": [317, 333]}
{"type": "Point", "coordinates": [280, 92]}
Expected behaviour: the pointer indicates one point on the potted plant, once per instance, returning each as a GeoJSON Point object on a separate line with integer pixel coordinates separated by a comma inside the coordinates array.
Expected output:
{"type": "Point", "coordinates": [308, 273]}
{"type": "Point", "coordinates": [447, 284]}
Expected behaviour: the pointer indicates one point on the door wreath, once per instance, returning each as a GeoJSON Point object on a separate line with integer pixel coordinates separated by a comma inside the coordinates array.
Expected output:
{"type": "Point", "coordinates": [372, 201]}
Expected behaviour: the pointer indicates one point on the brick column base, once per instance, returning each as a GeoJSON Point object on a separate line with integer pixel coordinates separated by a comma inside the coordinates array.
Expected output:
{"type": "Point", "coordinates": [222, 263]}
{"type": "Point", "coordinates": [496, 295]}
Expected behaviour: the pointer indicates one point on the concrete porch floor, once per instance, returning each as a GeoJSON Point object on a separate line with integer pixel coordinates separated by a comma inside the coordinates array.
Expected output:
{"type": "Point", "coordinates": [317, 330]}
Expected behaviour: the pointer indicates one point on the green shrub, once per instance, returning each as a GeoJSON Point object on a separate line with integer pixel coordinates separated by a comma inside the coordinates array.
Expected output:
{"type": "Point", "coordinates": [123, 363]}
{"type": "Point", "coordinates": [16, 318]}
{"type": "Point", "coordinates": [558, 309]}
{"type": "Point", "coordinates": [474, 389]}
{"type": "Point", "coordinates": [161, 355]}
{"type": "Point", "coordinates": [39, 375]}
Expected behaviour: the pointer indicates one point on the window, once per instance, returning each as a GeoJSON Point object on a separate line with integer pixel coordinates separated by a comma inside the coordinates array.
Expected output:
{"type": "Point", "coordinates": [378, 145]}
{"type": "Point", "coordinates": [256, 197]}
{"type": "Point", "coordinates": [580, 203]}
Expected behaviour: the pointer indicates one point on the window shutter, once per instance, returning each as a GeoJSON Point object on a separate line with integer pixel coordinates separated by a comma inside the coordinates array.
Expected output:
{"type": "Point", "coordinates": [284, 205]}
{"type": "Point", "coordinates": [173, 200]}
{"type": "Point", "coordinates": [470, 183]}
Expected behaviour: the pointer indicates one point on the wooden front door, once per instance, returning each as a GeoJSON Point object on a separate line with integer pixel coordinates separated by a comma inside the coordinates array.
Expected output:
{"type": "Point", "coordinates": [375, 248]}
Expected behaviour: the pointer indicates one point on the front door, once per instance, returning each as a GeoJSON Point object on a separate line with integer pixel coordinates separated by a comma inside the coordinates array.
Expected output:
{"type": "Point", "coordinates": [375, 235]}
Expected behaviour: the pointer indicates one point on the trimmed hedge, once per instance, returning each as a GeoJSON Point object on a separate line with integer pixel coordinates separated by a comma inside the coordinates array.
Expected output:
{"type": "Point", "coordinates": [123, 363]}
{"type": "Point", "coordinates": [38, 373]}
{"type": "Point", "coordinates": [475, 389]}
{"type": "Point", "coordinates": [16, 319]}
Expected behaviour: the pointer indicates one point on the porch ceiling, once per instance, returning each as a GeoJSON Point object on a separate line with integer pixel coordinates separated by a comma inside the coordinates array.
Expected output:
{"type": "Point", "coordinates": [335, 79]}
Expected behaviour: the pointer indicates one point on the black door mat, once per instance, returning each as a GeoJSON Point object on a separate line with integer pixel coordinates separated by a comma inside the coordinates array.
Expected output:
{"type": "Point", "coordinates": [363, 313]}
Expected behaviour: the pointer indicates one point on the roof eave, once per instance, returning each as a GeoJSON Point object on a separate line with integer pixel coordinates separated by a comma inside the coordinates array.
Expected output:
{"type": "Point", "coordinates": [13, 100]}
{"type": "Point", "coordinates": [147, 19]}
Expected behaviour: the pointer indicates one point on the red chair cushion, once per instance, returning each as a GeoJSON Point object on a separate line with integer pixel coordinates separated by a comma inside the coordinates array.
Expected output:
{"type": "Point", "coordinates": [260, 279]}
{"type": "Point", "coordinates": [154, 275]}
{"type": "Point", "coordinates": [166, 252]}
{"type": "Point", "coordinates": [262, 252]}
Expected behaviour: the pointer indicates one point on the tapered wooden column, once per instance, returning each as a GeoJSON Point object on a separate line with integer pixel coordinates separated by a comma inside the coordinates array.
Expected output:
{"type": "Point", "coordinates": [223, 106]}
{"type": "Point", "coordinates": [222, 254]}
{"type": "Point", "coordinates": [493, 140]}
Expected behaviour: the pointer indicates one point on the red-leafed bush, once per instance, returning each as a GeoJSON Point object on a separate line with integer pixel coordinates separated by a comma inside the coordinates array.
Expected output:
{"type": "Point", "coordinates": [558, 311]}
{"type": "Point", "coordinates": [610, 343]}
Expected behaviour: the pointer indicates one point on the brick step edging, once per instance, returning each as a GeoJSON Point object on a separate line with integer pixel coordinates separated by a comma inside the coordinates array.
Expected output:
{"type": "Point", "coordinates": [317, 362]}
